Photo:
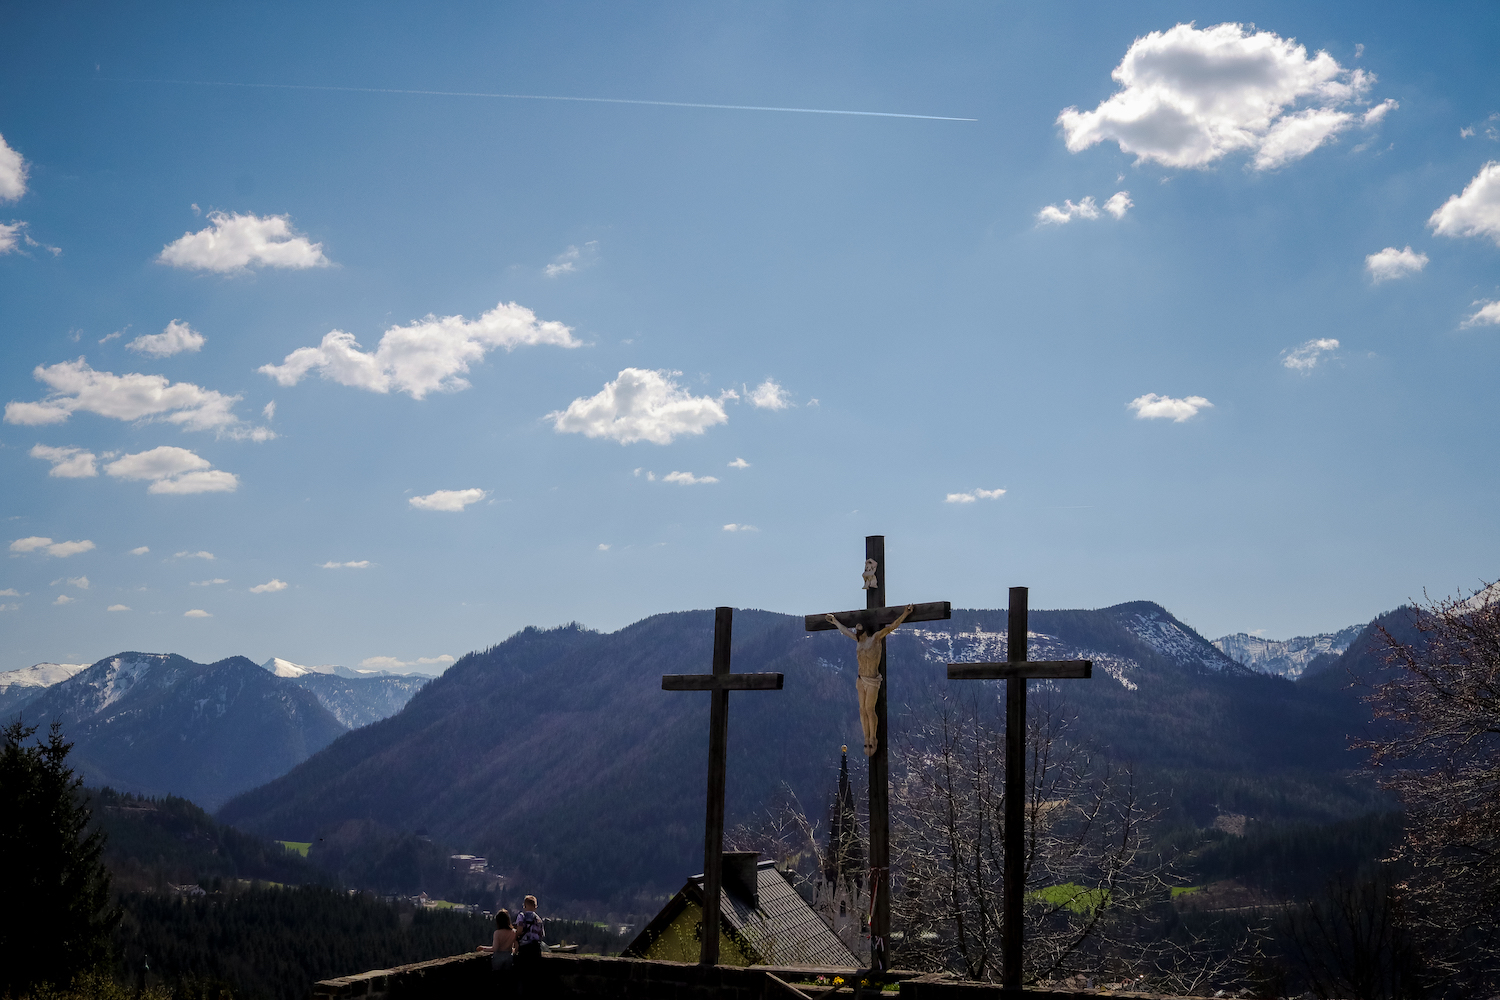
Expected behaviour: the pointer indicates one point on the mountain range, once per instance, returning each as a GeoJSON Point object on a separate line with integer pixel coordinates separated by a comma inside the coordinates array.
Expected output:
{"type": "Point", "coordinates": [1288, 657]}
{"type": "Point", "coordinates": [556, 754]}
{"type": "Point", "coordinates": [17, 687]}
{"type": "Point", "coordinates": [157, 724]}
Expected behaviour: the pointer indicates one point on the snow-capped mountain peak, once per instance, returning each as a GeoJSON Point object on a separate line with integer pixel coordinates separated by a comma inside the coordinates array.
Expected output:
{"type": "Point", "coordinates": [286, 668]}
{"type": "Point", "coordinates": [1287, 657]}
{"type": "Point", "coordinates": [39, 675]}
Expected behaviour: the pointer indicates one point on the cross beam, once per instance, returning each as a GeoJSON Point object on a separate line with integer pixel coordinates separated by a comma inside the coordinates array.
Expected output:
{"type": "Point", "coordinates": [874, 619]}
{"type": "Point", "coordinates": [719, 683]}
{"type": "Point", "coordinates": [1015, 670]}
{"type": "Point", "coordinates": [876, 616]}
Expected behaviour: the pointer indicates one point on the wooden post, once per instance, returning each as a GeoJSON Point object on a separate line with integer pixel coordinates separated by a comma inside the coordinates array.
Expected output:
{"type": "Point", "coordinates": [1015, 793]}
{"type": "Point", "coordinates": [880, 802]}
{"type": "Point", "coordinates": [713, 823]}
{"type": "Point", "coordinates": [875, 617]}
{"type": "Point", "coordinates": [1015, 671]}
{"type": "Point", "coordinates": [718, 684]}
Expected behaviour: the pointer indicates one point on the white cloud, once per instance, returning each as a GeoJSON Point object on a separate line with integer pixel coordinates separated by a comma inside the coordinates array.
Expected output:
{"type": "Point", "coordinates": [1487, 315]}
{"type": "Point", "coordinates": [63, 599]}
{"type": "Point", "coordinates": [1296, 135]}
{"type": "Point", "coordinates": [1154, 407]}
{"type": "Point", "coordinates": [573, 259]}
{"type": "Point", "coordinates": [769, 395]}
{"type": "Point", "coordinates": [687, 479]}
{"type": "Point", "coordinates": [603, 547]}
{"type": "Point", "coordinates": [8, 234]}
{"type": "Point", "coordinates": [60, 550]}
{"type": "Point", "coordinates": [216, 581]}
{"type": "Point", "coordinates": [211, 481]}
{"type": "Point", "coordinates": [640, 405]}
{"type": "Point", "coordinates": [359, 564]}
{"type": "Point", "coordinates": [429, 355]}
{"type": "Point", "coordinates": [1118, 204]}
{"type": "Point", "coordinates": [269, 587]}
{"type": "Point", "coordinates": [140, 550]}
{"type": "Point", "coordinates": [110, 336]}
{"type": "Point", "coordinates": [158, 463]}
{"type": "Point", "coordinates": [1189, 97]}
{"type": "Point", "coordinates": [175, 339]}
{"type": "Point", "coordinates": [739, 463]}
{"type": "Point", "coordinates": [10, 592]}
{"type": "Point", "coordinates": [81, 582]}
{"type": "Point", "coordinates": [1475, 212]}
{"type": "Point", "coordinates": [1307, 356]}
{"type": "Point", "coordinates": [740, 527]}
{"type": "Point", "coordinates": [196, 613]}
{"type": "Point", "coordinates": [117, 607]}
{"type": "Point", "coordinates": [391, 663]}
{"type": "Point", "coordinates": [1085, 209]}
{"type": "Point", "coordinates": [13, 170]}
{"type": "Point", "coordinates": [235, 242]}
{"type": "Point", "coordinates": [269, 410]}
{"type": "Point", "coordinates": [1392, 263]}
{"type": "Point", "coordinates": [200, 554]}
{"type": "Point", "coordinates": [174, 470]}
{"type": "Point", "coordinates": [1377, 114]}
{"type": "Point", "coordinates": [447, 500]}
{"type": "Point", "coordinates": [78, 388]}
{"type": "Point", "coordinates": [67, 463]}
{"type": "Point", "coordinates": [973, 495]}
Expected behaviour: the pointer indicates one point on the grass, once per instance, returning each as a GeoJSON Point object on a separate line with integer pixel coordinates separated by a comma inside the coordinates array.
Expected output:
{"type": "Point", "coordinates": [1178, 890]}
{"type": "Point", "coordinates": [1072, 897]}
{"type": "Point", "coordinates": [295, 846]}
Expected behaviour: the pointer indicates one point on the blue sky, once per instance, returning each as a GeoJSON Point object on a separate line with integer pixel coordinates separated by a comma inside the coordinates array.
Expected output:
{"type": "Point", "coordinates": [418, 370]}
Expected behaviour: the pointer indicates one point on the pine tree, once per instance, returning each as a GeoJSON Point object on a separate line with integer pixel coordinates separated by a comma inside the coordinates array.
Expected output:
{"type": "Point", "coordinates": [55, 885]}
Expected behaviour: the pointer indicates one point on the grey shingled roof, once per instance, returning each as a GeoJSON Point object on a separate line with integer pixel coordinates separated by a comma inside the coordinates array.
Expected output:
{"type": "Point", "coordinates": [783, 930]}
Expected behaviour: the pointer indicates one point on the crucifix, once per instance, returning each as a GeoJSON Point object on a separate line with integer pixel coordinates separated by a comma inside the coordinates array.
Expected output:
{"type": "Point", "coordinates": [871, 626]}
{"type": "Point", "coordinates": [1015, 670]}
{"type": "Point", "coordinates": [719, 684]}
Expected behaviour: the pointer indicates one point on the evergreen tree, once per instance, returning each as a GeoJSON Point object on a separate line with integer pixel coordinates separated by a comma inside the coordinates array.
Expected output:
{"type": "Point", "coordinates": [55, 886]}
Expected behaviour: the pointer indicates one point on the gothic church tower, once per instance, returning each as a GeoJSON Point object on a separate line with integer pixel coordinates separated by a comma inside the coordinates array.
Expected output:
{"type": "Point", "coordinates": [841, 896]}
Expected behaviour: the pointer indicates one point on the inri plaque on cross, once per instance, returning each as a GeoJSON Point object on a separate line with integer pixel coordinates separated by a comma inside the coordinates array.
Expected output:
{"type": "Point", "coordinates": [720, 683]}
{"type": "Point", "coordinates": [1015, 670]}
{"type": "Point", "coordinates": [869, 624]}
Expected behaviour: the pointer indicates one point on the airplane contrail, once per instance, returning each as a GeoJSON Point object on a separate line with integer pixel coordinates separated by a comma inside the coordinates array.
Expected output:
{"type": "Point", "coordinates": [544, 97]}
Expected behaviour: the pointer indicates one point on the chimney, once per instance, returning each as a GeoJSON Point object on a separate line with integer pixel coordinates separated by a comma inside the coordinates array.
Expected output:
{"type": "Point", "coordinates": [741, 876]}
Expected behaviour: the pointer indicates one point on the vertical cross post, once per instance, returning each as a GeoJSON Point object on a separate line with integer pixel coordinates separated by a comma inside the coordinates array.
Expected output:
{"type": "Point", "coordinates": [875, 617]}
{"type": "Point", "coordinates": [880, 789]}
{"type": "Point", "coordinates": [713, 822]}
{"type": "Point", "coordinates": [718, 684]}
{"type": "Point", "coordinates": [1015, 671]}
{"type": "Point", "coordinates": [1015, 792]}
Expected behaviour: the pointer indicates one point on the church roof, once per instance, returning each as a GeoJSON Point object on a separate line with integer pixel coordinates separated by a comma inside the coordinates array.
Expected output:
{"type": "Point", "coordinates": [778, 928]}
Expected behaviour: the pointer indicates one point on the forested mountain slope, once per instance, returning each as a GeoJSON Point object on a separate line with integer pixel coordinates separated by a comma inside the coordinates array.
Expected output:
{"type": "Point", "coordinates": [557, 755]}
{"type": "Point", "coordinates": [159, 724]}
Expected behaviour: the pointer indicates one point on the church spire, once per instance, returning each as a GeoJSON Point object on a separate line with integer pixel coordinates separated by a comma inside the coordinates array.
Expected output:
{"type": "Point", "coordinates": [845, 861]}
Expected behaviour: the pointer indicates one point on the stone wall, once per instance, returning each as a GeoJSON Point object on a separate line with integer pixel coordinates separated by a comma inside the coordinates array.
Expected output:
{"type": "Point", "coordinates": [585, 977]}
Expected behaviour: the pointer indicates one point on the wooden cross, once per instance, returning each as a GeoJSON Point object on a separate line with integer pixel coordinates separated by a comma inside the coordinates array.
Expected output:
{"type": "Point", "coordinates": [1015, 670]}
{"type": "Point", "coordinates": [720, 683]}
{"type": "Point", "coordinates": [877, 616]}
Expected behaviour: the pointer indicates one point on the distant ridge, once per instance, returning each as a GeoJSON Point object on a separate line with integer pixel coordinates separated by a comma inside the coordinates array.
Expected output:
{"type": "Point", "coordinates": [1286, 657]}
{"type": "Point", "coordinates": [158, 723]}
{"type": "Point", "coordinates": [557, 756]}
{"type": "Point", "coordinates": [288, 669]}
{"type": "Point", "coordinates": [17, 687]}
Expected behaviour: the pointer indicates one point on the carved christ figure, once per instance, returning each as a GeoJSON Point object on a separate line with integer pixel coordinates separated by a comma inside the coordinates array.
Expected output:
{"type": "Point", "coordinates": [869, 575]}
{"type": "Point", "coordinates": [867, 650]}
